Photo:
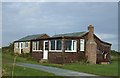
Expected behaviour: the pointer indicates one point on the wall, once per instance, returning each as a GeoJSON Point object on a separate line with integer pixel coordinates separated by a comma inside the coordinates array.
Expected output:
{"type": "Point", "coordinates": [55, 57]}
{"type": "Point", "coordinates": [66, 57]}
{"type": "Point", "coordinates": [37, 55]}
{"type": "Point", "coordinates": [102, 47]}
{"type": "Point", "coordinates": [25, 50]}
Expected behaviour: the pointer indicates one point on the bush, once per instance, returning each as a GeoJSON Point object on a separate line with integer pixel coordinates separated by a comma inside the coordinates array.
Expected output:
{"type": "Point", "coordinates": [83, 61]}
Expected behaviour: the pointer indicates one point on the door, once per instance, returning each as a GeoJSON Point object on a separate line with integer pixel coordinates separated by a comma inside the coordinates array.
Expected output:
{"type": "Point", "coordinates": [45, 50]}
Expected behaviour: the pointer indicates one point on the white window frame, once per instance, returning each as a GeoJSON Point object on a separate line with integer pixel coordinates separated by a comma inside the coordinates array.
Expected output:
{"type": "Point", "coordinates": [82, 44]}
{"type": "Point", "coordinates": [34, 43]}
{"type": "Point", "coordinates": [16, 44]}
{"type": "Point", "coordinates": [22, 45]}
{"type": "Point", "coordinates": [75, 47]}
{"type": "Point", "coordinates": [55, 47]}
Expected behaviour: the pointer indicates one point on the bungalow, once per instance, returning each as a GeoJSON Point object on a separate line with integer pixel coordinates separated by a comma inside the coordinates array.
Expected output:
{"type": "Point", "coordinates": [71, 47]}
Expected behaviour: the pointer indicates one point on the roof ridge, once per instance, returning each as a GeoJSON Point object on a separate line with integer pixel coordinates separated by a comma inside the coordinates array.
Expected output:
{"type": "Point", "coordinates": [36, 34]}
{"type": "Point", "coordinates": [71, 33]}
{"type": "Point", "coordinates": [29, 37]}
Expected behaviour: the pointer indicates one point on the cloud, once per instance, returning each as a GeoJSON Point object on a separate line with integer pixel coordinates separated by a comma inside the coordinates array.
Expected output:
{"type": "Point", "coordinates": [106, 36]}
{"type": "Point", "coordinates": [21, 19]}
{"type": "Point", "coordinates": [111, 38]}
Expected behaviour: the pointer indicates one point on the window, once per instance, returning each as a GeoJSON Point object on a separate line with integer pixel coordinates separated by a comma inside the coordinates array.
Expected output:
{"type": "Point", "coordinates": [17, 45]}
{"type": "Point", "coordinates": [52, 44]}
{"type": "Point", "coordinates": [58, 44]}
{"type": "Point", "coordinates": [36, 45]}
{"type": "Point", "coordinates": [40, 45]}
{"type": "Point", "coordinates": [26, 44]}
{"type": "Point", "coordinates": [46, 45]}
{"type": "Point", "coordinates": [55, 45]}
{"type": "Point", "coordinates": [74, 45]}
{"type": "Point", "coordinates": [21, 44]}
{"type": "Point", "coordinates": [70, 45]}
{"type": "Point", "coordinates": [82, 44]}
{"type": "Point", "coordinates": [105, 55]}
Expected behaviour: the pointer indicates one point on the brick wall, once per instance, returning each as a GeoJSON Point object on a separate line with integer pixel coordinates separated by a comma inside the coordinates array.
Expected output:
{"type": "Point", "coordinates": [37, 55]}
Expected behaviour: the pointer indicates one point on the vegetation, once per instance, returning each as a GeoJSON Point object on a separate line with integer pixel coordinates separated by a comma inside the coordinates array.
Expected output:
{"type": "Point", "coordinates": [7, 64]}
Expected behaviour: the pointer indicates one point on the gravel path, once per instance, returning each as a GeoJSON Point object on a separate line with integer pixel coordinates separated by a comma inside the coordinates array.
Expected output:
{"type": "Point", "coordinates": [59, 71]}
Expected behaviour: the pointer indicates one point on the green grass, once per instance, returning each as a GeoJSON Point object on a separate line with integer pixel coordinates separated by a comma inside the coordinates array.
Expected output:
{"type": "Point", "coordinates": [98, 69]}
{"type": "Point", "coordinates": [23, 71]}
{"type": "Point", "coordinates": [7, 60]}
{"type": "Point", "coordinates": [103, 70]}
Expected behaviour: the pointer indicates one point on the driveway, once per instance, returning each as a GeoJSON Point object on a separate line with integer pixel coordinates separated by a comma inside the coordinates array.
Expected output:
{"type": "Point", "coordinates": [56, 71]}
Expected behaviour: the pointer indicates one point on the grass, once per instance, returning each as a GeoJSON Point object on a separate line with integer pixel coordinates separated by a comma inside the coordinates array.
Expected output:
{"type": "Point", "coordinates": [23, 71]}
{"type": "Point", "coordinates": [102, 70]}
{"type": "Point", "coordinates": [7, 60]}
{"type": "Point", "coordinates": [98, 69]}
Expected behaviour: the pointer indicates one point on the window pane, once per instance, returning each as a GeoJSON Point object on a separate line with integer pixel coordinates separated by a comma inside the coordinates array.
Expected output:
{"type": "Point", "coordinates": [46, 45]}
{"type": "Point", "coordinates": [26, 44]}
{"type": "Point", "coordinates": [37, 48]}
{"type": "Point", "coordinates": [59, 44]}
{"type": "Point", "coordinates": [21, 45]}
{"type": "Point", "coordinates": [68, 44]}
{"type": "Point", "coordinates": [74, 45]}
{"type": "Point", "coordinates": [52, 44]}
{"type": "Point", "coordinates": [34, 45]}
{"type": "Point", "coordinates": [81, 44]}
{"type": "Point", "coordinates": [16, 44]}
{"type": "Point", "coordinates": [40, 45]}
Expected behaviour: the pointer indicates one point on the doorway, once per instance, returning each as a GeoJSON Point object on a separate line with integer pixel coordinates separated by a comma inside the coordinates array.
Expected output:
{"type": "Point", "coordinates": [45, 50]}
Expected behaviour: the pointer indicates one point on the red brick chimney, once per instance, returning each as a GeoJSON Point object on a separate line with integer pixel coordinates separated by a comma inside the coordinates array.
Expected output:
{"type": "Point", "coordinates": [91, 46]}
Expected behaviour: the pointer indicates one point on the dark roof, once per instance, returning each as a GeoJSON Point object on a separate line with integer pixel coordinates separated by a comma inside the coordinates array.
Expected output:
{"type": "Point", "coordinates": [75, 34]}
{"type": "Point", "coordinates": [31, 37]}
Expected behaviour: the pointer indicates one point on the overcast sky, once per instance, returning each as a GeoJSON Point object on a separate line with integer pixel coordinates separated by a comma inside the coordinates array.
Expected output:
{"type": "Point", "coordinates": [21, 19]}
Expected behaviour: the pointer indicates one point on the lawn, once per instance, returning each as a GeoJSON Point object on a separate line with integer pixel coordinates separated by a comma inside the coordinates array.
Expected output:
{"type": "Point", "coordinates": [7, 64]}
{"type": "Point", "coordinates": [102, 70]}
{"type": "Point", "coordinates": [97, 69]}
{"type": "Point", "coordinates": [23, 71]}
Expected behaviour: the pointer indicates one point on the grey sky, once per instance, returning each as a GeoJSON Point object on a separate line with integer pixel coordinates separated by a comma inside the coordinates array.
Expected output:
{"type": "Point", "coordinates": [21, 19]}
{"type": "Point", "coordinates": [59, 0]}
